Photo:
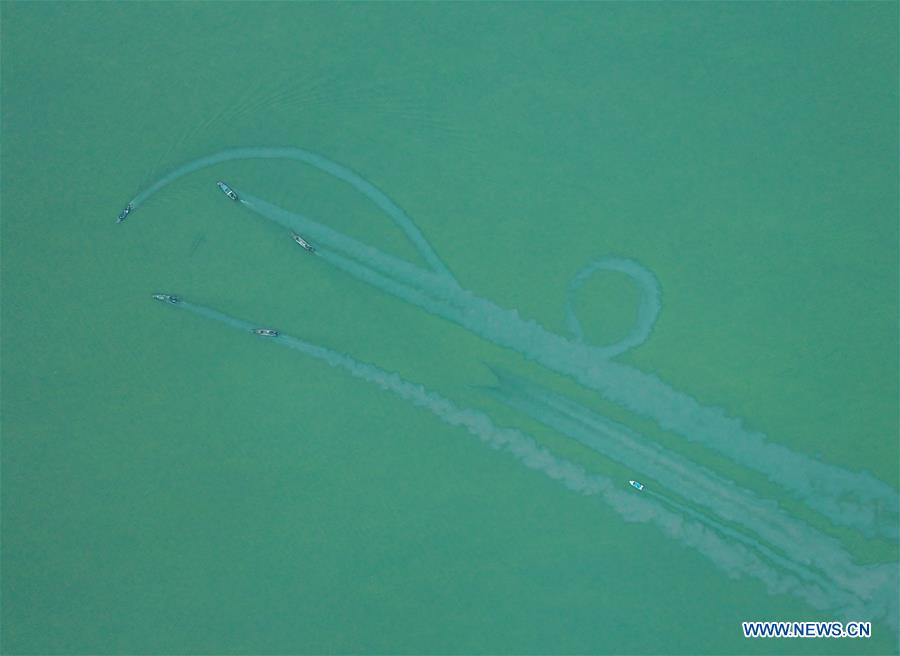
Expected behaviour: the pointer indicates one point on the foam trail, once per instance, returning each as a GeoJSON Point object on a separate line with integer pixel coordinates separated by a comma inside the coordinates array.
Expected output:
{"type": "Point", "coordinates": [854, 499]}
{"type": "Point", "coordinates": [754, 545]}
{"type": "Point", "coordinates": [443, 289]}
{"type": "Point", "coordinates": [879, 599]}
{"type": "Point", "coordinates": [800, 543]}
{"type": "Point", "coordinates": [520, 446]}
{"type": "Point", "coordinates": [717, 543]}
{"type": "Point", "coordinates": [323, 235]}
{"type": "Point", "coordinates": [339, 171]}
{"type": "Point", "coordinates": [483, 317]}
{"type": "Point", "coordinates": [648, 309]}
{"type": "Point", "coordinates": [879, 602]}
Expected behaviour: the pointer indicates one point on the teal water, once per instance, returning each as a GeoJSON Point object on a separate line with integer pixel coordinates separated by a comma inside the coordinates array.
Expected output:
{"type": "Point", "coordinates": [170, 484]}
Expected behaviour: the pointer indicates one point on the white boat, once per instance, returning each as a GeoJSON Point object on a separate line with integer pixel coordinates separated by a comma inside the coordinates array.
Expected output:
{"type": "Point", "coordinates": [124, 213]}
{"type": "Point", "coordinates": [636, 485]}
{"type": "Point", "coordinates": [305, 245]}
{"type": "Point", "coordinates": [228, 191]}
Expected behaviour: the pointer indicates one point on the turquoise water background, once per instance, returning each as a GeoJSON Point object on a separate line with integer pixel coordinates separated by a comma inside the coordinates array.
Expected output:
{"type": "Point", "coordinates": [172, 486]}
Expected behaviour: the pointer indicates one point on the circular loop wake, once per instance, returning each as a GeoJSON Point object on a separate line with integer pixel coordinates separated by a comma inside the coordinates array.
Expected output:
{"type": "Point", "coordinates": [648, 309]}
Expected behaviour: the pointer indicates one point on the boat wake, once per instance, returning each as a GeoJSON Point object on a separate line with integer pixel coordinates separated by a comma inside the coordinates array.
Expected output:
{"type": "Point", "coordinates": [739, 531]}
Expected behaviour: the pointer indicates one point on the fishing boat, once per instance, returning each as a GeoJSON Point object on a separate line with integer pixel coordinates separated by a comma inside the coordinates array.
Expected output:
{"type": "Point", "coordinates": [228, 191]}
{"type": "Point", "coordinates": [305, 245]}
{"type": "Point", "coordinates": [124, 213]}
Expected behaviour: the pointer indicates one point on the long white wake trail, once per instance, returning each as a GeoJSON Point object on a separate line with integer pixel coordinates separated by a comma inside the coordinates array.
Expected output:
{"type": "Point", "coordinates": [332, 168]}
{"type": "Point", "coordinates": [726, 548]}
{"type": "Point", "coordinates": [782, 538]}
{"type": "Point", "coordinates": [854, 499]}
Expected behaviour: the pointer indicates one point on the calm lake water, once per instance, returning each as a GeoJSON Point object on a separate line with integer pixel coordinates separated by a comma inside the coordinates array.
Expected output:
{"type": "Point", "coordinates": [173, 485]}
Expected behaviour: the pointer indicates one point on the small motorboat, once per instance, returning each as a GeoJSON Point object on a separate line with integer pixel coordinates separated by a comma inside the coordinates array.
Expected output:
{"type": "Point", "coordinates": [124, 213]}
{"type": "Point", "coordinates": [265, 332]}
{"type": "Point", "coordinates": [167, 298]}
{"type": "Point", "coordinates": [305, 245]}
{"type": "Point", "coordinates": [636, 485]}
{"type": "Point", "coordinates": [228, 191]}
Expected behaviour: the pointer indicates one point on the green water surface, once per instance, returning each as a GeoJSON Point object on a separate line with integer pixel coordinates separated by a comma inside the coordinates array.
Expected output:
{"type": "Point", "coordinates": [172, 486]}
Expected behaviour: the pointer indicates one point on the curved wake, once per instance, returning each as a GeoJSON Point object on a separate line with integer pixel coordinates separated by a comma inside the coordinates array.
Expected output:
{"type": "Point", "coordinates": [854, 499]}
{"type": "Point", "coordinates": [742, 533]}
{"type": "Point", "coordinates": [366, 188]}
{"type": "Point", "coordinates": [826, 579]}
